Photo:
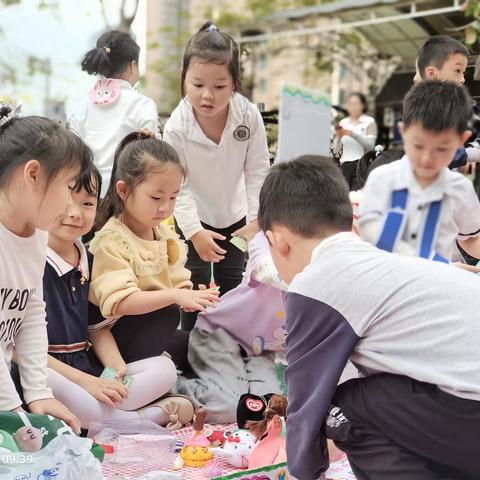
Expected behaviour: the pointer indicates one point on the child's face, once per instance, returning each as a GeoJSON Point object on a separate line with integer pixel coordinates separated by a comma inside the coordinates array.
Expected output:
{"type": "Point", "coordinates": [78, 218]}
{"type": "Point", "coordinates": [453, 70]}
{"type": "Point", "coordinates": [208, 87]}
{"type": "Point", "coordinates": [153, 200]}
{"type": "Point", "coordinates": [430, 152]}
{"type": "Point", "coordinates": [54, 200]}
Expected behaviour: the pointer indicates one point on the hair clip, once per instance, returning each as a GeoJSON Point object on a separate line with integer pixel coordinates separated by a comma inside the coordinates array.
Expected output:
{"type": "Point", "coordinates": [145, 133]}
{"type": "Point", "coordinates": [212, 28]}
{"type": "Point", "coordinates": [107, 49]}
{"type": "Point", "coordinates": [8, 112]}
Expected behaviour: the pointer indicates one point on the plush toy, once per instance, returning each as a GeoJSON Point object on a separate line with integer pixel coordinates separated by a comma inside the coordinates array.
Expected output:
{"type": "Point", "coordinates": [271, 447]}
{"type": "Point", "coordinates": [30, 432]}
{"type": "Point", "coordinates": [196, 451]}
{"type": "Point", "coordinates": [237, 448]}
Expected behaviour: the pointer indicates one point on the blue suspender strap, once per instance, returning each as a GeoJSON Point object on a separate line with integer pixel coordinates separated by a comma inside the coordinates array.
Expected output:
{"type": "Point", "coordinates": [430, 232]}
{"type": "Point", "coordinates": [392, 228]}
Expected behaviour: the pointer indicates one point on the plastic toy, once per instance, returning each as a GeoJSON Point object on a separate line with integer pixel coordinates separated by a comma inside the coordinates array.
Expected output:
{"type": "Point", "coordinates": [237, 448]}
{"type": "Point", "coordinates": [196, 451]}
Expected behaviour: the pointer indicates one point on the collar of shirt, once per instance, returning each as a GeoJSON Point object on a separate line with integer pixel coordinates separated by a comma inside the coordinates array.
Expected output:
{"type": "Point", "coordinates": [62, 267]}
{"type": "Point", "coordinates": [341, 237]}
{"type": "Point", "coordinates": [195, 133]}
{"type": "Point", "coordinates": [406, 179]}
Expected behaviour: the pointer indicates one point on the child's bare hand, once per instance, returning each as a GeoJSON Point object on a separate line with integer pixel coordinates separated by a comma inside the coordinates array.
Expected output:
{"type": "Point", "coordinates": [108, 391]}
{"type": "Point", "coordinates": [196, 300]}
{"type": "Point", "coordinates": [121, 369]}
{"type": "Point", "coordinates": [248, 231]}
{"type": "Point", "coordinates": [208, 250]}
{"type": "Point", "coordinates": [468, 268]}
{"type": "Point", "coordinates": [51, 406]}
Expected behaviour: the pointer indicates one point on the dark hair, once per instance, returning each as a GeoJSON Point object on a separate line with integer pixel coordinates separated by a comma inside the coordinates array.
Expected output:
{"type": "Point", "coordinates": [437, 50]}
{"type": "Point", "coordinates": [90, 180]}
{"type": "Point", "coordinates": [438, 106]}
{"type": "Point", "coordinates": [135, 157]}
{"type": "Point", "coordinates": [370, 161]}
{"type": "Point", "coordinates": [112, 55]}
{"type": "Point", "coordinates": [308, 195]}
{"type": "Point", "coordinates": [277, 405]}
{"type": "Point", "coordinates": [56, 148]}
{"type": "Point", "coordinates": [363, 100]}
{"type": "Point", "coordinates": [211, 45]}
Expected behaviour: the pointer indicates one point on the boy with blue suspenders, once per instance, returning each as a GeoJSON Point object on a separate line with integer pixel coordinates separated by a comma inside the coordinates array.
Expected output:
{"type": "Point", "coordinates": [417, 206]}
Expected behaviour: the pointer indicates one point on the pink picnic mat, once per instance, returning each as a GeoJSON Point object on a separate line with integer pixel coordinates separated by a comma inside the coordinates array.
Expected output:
{"type": "Point", "coordinates": [146, 456]}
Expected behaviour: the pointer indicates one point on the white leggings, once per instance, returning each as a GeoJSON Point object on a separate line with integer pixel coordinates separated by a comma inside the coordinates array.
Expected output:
{"type": "Point", "coordinates": [152, 378]}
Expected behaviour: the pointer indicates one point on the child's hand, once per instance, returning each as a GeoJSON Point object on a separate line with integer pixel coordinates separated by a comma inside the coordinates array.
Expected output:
{"type": "Point", "coordinates": [196, 300]}
{"type": "Point", "coordinates": [468, 268]}
{"type": "Point", "coordinates": [120, 368]}
{"type": "Point", "coordinates": [208, 250]}
{"type": "Point", "coordinates": [51, 406]}
{"type": "Point", "coordinates": [248, 231]}
{"type": "Point", "coordinates": [110, 392]}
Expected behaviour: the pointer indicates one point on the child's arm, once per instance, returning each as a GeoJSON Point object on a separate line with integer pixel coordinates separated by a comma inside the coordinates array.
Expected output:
{"type": "Point", "coordinates": [467, 217]}
{"type": "Point", "coordinates": [31, 346]}
{"type": "Point", "coordinates": [186, 212]}
{"type": "Point", "coordinates": [107, 351]}
{"type": "Point", "coordinates": [319, 343]}
{"type": "Point", "coordinates": [106, 390]}
{"type": "Point", "coordinates": [145, 302]}
{"type": "Point", "coordinates": [147, 115]}
{"type": "Point", "coordinates": [471, 246]}
{"type": "Point", "coordinates": [256, 167]}
{"type": "Point", "coordinates": [114, 287]}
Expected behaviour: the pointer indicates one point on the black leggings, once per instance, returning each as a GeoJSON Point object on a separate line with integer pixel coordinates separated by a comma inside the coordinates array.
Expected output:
{"type": "Point", "coordinates": [228, 273]}
{"type": "Point", "coordinates": [149, 335]}
{"type": "Point", "coordinates": [349, 170]}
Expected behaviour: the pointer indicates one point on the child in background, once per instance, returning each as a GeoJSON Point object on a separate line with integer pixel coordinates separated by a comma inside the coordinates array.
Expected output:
{"type": "Point", "coordinates": [445, 59]}
{"type": "Point", "coordinates": [221, 140]}
{"type": "Point", "coordinates": [138, 275]}
{"type": "Point", "coordinates": [72, 376]}
{"type": "Point", "coordinates": [114, 108]}
{"type": "Point", "coordinates": [39, 161]}
{"type": "Point", "coordinates": [417, 206]}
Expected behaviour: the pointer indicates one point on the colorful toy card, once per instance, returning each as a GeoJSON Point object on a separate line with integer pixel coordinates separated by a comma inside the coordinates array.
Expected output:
{"type": "Point", "coordinates": [110, 373]}
{"type": "Point", "coordinates": [240, 242]}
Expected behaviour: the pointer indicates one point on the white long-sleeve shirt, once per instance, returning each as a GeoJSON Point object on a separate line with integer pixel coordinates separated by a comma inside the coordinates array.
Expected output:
{"type": "Point", "coordinates": [361, 141]}
{"type": "Point", "coordinates": [22, 317]}
{"type": "Point", "coordinates": [223, 181]}
{"type": "Point", "coordinates": [103, 126]}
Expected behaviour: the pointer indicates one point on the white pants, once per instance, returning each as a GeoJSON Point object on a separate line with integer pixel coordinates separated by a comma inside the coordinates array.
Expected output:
{"type": "Point", "coordinates": [152, 378]}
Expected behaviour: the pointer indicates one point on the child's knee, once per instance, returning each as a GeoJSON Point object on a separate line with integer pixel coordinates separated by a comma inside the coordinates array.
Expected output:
{"type": "Point", "coordinates": [164, 371]}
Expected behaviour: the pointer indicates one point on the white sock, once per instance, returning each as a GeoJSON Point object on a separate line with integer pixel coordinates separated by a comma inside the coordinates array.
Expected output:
{"type": "Point", "coordinates": [157, 415]}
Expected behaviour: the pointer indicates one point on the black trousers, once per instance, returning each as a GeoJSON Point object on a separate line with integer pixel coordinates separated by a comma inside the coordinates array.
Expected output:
{"type": "Point", "coordinates": [228, 273]}
{"type": "Point", "coordinates": [395, 428]}
{"type": "Point", "coordinates": [149, 335]}
{"type": "Point", "coordinates": [349, 170]}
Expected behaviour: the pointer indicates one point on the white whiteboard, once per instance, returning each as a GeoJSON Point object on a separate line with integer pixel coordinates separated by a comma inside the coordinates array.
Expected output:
{"type": "Point", "coordinates": [305, 121]}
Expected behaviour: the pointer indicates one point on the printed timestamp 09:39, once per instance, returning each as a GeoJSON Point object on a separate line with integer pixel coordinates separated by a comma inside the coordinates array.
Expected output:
{"type": "Point", "coordinates": [19, 458]}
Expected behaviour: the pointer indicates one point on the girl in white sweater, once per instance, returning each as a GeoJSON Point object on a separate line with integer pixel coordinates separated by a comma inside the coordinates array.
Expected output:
{"type": "Point", "coordinates": [39, 163]}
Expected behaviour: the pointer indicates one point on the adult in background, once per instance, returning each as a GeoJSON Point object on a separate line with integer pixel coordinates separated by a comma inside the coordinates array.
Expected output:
{"type": "Point", "coordinates": [355, 136]}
